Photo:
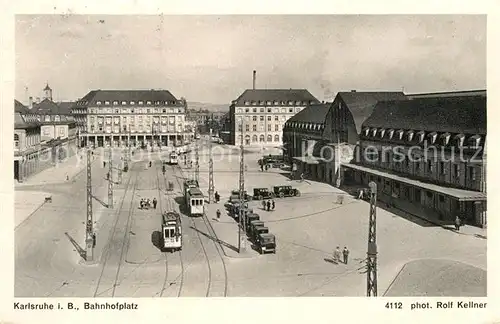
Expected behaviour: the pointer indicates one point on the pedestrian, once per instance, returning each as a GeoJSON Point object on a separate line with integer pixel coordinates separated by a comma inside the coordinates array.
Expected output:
{"type": "Point", "coordinates": [217, 197]}
{"type": "Point", "coordinates": [261, 166]}
{"type": "Point", "coordinates": [273, 204]}
{"type": "Point", "coordinates": [67, 178]}
{"type": "Point", "coordinates": [148, 202]}
{"type": "Point", "coordinates": [336, 254]}
{"type": "Point", "coordinates": [345, 252]}
{"type": "Point", "coordinates": [302, 176]}
{"type": "Point", "coordinates": [458, 223]}
{"type": "Point", "coordinates": [107, 176]}
{"type": "Point", "coordinates": [142, 203]}
{"type": "Point", "coordinates": [268, 205]}
{"type": "Point", "coordinates": [154, 203]}
{"type": "Point", "coordinates": [264, 204]}
{"type": "Point", "coordinates": [361, 194]}
{"type": "Point", "coordinates": [266, 167]}
{"type": "Point", "coordinates": [103, 164]}
{"type": "Point", "coordinates": [150, 163]}
{"type": "Point", "coordinates": [218, 213]}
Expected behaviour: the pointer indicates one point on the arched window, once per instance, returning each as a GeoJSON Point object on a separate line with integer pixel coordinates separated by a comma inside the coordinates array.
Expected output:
{"type": "Point", "coordinates": [16, 140]}
{"type": "Point", "coordinates": [254, 138]}
{"type": "Point", "coordinates": [276, 138]}
{"type": "Point", "coordinates": [261, 138]}
{"type": "Point", "coordinates": [269, 138]}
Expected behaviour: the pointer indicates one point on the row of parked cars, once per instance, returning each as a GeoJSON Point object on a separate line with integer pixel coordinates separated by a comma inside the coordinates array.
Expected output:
{"type": "Point", "coordinates": [257, 232]}
{"type": "Point", "coordinates": [265, 193]}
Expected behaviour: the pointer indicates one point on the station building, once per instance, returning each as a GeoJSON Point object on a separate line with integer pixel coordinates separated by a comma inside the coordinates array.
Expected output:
{"type": "Point", "coordinates": [427, 155]}
{"type": "Point", "coordinates": [135, 117]}
{"type": "Point", "coordinates": [322, 136]}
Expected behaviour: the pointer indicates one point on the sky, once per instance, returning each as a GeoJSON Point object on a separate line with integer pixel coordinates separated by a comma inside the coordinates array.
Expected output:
{"type": "Point", "coordinates": [211, 58]}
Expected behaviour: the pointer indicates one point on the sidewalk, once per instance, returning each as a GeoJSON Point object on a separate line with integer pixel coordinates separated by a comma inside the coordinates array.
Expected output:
{"type": "Point", "coordinates": [26, 203]}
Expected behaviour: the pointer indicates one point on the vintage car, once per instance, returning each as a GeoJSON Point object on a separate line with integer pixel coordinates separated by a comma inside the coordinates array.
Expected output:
{"type": "Point", "coordinates": [258, 230]}
{"type": "Point", "coordinates": [285, 191]}
{"type": "Point", "coordinates": [262, 193]}
{"type": "Point", "coordinates": [254, 224]}
{"type": "Point", "coordinates": [237, 193]}
{"type": "Point", "coordinates": [250, 216]}
{"type": "Point", "coordinates": [266, 243]}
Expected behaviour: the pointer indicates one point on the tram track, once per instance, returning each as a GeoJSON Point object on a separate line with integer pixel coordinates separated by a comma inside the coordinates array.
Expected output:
{"type": "Point", "coordinates": [169, 206]}
{"type": "Point", "coordinates": [109, 272]}
{"type": "Point", "coordinates": [206, 222]}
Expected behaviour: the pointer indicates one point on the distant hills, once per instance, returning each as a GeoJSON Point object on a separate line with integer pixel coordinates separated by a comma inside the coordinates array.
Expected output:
{"type": "Point", "coordinates": [208, 106]}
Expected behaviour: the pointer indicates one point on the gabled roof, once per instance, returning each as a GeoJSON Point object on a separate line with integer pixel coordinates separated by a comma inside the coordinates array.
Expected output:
{"type": "Point", "coordinates": [20, 108]}
{"type": "Point", "coordinates": [286, 95]}
{"type": "Point", "coordinates": [47, 107]}
{"type": "Point", "coordinates": [21, 123]}
{"type": "Point", "coordinates": [315, 114]}
{"type": "Point", "coordinates": [465, 115]}
{"type": "Point", "coordinates": [361, 104]}
{"type": "Point", "coordinates": [94, 96]}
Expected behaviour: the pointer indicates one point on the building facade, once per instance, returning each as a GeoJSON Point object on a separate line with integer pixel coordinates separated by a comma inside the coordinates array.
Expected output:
{"type": "Point", "coordinates": [206, 120]}
{"type": "Point", "coordinates": [427, 156]}
{"type": "Point", "coordinates": [135, 117]}
{"type": "Point", "coordinates": [258, 115]}
{"type": "Point", "coordinates": [319, 138]}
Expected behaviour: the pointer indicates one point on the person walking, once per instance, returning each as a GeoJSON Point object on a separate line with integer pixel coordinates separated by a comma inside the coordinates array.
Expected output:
{"type": "Point", "coordinates": [217, 197]}
{"type": "Point", "coordinates": [273, 204]}
{"type": "Point", "coordinates": [103, 164]}
{"type": "Point", "coordinates": [345, 253]}
{"type": "Point", "coordinates": [458, 223]}
{"type": "Point", "coordinates": [361, 194]}
{"type": "Point", "coordinates": [154, 202]}
{"type": "Point", "coordinates": [302, 177]}
{"type": "Point", "coordinates": [336, 254]}
{"type": "Point", "coordinates": [142, 203]}
{"type": "Point", "coordinates": [268, 205]}
{"type": "Point", "coordinates": [218, 213]}
{"type": "Point", "coordinates": [264, 204]}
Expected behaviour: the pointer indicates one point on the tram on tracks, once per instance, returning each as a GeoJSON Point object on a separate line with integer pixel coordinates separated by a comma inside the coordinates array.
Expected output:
{"type": "Point", "coordinates": [195, 202]}
{"type": "Point", "coordinates": [171, 232]}
{"type": "Point", "coordinates": [188, 184]}
{"type": "Point", "coordinates": [173, 158]}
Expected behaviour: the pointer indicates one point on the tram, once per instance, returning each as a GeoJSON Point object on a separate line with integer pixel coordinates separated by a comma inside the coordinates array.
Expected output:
{"type": "Point", "coordinates": [171, 231]}
{"type": "Point", "coordinates": [195, 202]}
{"type": "Point", "coordinates": [173, 158]}
{"type": "Point", "coordinates": [188, 184]}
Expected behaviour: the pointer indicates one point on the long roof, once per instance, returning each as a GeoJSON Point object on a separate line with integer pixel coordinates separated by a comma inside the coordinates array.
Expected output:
{"type": "Point", "coordinates": [94, 96]}
{"type": "Point", "coordinates": [315, 114]}
{"type": "Point", "coordinates": [20, 108]}
{"type": "Point", "coordinates": [464, 93]}
{"type": "Point", "coordinates": [265, 95]}
{"type": "Point", "coordinates": [361, 104]}
{"type": "Point", "coordinates": [453, 114]}
{"type": "Point", "coordinates": [21, 123]}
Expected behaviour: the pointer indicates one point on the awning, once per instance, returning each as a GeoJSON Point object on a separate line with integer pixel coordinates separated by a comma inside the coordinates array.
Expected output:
{"type": "Point", "coordinates": [460, 194]}
{"type": "Point", "coordinates": [308, 159]}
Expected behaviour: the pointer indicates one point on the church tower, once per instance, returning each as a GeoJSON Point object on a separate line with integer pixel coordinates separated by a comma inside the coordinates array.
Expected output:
{"type": "Point", "coordinates": [47, 92]}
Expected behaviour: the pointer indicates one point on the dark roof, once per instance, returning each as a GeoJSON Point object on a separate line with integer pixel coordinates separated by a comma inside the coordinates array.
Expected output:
{"type": "Point", "coordinates": [94, 96]}
{"type": "Point", "coordinates": [20, 108]}
{"type": "Point", "coordinates": [286, 95]}
{"type": "Point", "coordinates": [47, 107]}
{"type": "Point", "coordinates": [448, 94]}
{"type": "Point", "coordinates": [65, 107]}
{"type": "Point", "coordinates": [47, 87]}
{"type": "Point", "coordinates": [361, 104]}
{"type": "Point", "coordinates": [465, 115]}
{"type": "Point", "coordinates": [315, 114]}
{"type": "Point", "coordinates": [21, 123]}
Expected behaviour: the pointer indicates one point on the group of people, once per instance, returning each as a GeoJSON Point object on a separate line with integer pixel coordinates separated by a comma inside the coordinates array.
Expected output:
{"type": "Point", "coordinates": [268, 204]}
{"type": "Point", "coordinates": [146, 202]}
{"type": "Point", "coordinates": [337, 253]}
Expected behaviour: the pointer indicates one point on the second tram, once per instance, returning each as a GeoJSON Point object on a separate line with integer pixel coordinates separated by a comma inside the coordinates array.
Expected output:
{"type": "Point", "coordinates": [171, 231]}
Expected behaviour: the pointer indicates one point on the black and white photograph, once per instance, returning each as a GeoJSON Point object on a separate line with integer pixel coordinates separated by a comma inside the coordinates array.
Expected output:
{"type": "Point", "coordinates": [250, 156]}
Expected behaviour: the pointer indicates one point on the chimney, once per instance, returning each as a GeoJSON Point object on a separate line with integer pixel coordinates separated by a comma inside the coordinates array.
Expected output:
{"type": "Point", "coordinates": [254, 77]}
{"type": "Point", "coordinates": [37, 100]}
{"type": "Point", "coordinates": [30, 102]}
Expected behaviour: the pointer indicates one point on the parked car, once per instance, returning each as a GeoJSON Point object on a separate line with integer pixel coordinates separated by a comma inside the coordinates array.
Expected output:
{"type": "Point", "coordinates": [285, 191]}
{"type": "Point", "coordinates": [266, 243]}
{"type": "Point", "coordinates": [262, 193]}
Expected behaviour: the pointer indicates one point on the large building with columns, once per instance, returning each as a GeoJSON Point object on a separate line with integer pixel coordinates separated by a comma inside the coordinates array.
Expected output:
{"type": "Point", "coordinates": [138, 117]}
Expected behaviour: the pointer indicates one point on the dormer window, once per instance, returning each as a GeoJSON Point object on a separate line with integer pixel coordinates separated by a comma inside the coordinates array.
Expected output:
{"type": "Point", "coordinates": [141, 102]}
{"type": "Point", "coordinates": [148, 102]}
{"type": "Point", "coordinates": [157, 103]}
{"type": "Point", "coordinates": [269, 103]}
{"type": "Point", "coordinates": [106, 102]}
{"type": "Point", "coordinates": [474, 141]}
{"type": "Point", "coordinates": [460, 139]}
{"type": "Point", "coordinates": [124, 103]}
{"type": "Point", "coordinates": [367, 131]}
{"type": "Point", "coordinates": [374, 132]}
{"type": "Point", "coordinates": [115, 102]}
{"type": "Point", "coordinates": [276, 103]}
{"type": "Point", "coordinates": [382, 133]}
{"type": "Point", "coordinates": [247, 103]}
{"type": "Point", "coordinates": [410, 136]}
{"type": "Point", "coordinates": [390, 133]}
{"type": "Point", "coordinates": [432, 137]}
{"type": "Point", "coordinates": [98, 103]}
{"type": "Point", "coordinates": [420, 136]}
{"type": "Point", "coordinates": [290, 103]}
{"type": "Point", "coordinates": [297, 103]}
{"type": "Point", "coordinates": [132, 102]}
{"type": "Point", "coordinates": [445, 139]}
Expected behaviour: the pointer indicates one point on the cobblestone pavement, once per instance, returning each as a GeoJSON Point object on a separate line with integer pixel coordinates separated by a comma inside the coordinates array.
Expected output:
{"type": "Point", "coordinates": [308, 228]}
